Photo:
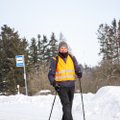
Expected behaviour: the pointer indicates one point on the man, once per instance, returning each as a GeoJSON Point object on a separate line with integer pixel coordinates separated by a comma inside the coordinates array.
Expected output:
{"type": "Point", "coordinates": [62, 76]}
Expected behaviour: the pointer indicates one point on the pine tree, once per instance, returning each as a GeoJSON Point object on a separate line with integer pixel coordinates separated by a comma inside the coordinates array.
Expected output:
{"type": "Point", "coordinates": [53, 46]}
{"type": "Point", "coordinates": [39, 48]}
{"type": "Point", "coordinates": [118, 40]}
{"type": "Point", "coordinates": [109, 39]}
{"type": "Point", "coordinates": [33, 51]}
{"type": "Point", "coordinates": [103, 36]}
{"type": "Point", "coordinates": [10, 46]}
{"type": "Point", "coordinates": [42, 45]}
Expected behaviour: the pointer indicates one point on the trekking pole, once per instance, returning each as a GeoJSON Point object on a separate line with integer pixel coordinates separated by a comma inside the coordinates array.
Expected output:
{"type": "Point", "coordinates": [52, 106]}
{"type": "Point", "coordinates": [83, 110]}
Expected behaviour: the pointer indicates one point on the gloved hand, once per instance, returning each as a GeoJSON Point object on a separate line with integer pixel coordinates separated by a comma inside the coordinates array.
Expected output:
{"type": "Point", "coordinates": [79, 74]}
{"type": "Point", "coordinates": [56, 86]}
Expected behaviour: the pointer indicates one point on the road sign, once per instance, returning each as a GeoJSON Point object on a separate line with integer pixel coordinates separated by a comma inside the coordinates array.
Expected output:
{"type": "Point", "coordinates": [19, 60]}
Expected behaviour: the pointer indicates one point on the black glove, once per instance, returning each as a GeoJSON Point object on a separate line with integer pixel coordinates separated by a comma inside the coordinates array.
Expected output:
{"type": "Point", "coordinates": [79, 74]}
{"type": "Point", "coordinates": [56, 86]}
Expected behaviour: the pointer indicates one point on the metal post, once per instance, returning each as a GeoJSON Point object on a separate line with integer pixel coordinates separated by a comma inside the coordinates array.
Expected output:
{"type": "Point", "coordinates": [82, 101]}
{"type": "Point", "coordinates": [25, 78]}
{"type": "Point", "coordinates": [18, 89]}
{"type": "Point", "coordinates": [52, 106]}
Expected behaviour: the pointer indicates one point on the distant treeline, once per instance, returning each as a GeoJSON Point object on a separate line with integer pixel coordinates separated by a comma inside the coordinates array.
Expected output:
{"type": "Point", "coordinates": [38, 51]}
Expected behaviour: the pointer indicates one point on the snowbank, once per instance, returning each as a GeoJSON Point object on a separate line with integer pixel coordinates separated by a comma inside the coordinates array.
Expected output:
{"type": "Point", "coordinates": [104, 105]}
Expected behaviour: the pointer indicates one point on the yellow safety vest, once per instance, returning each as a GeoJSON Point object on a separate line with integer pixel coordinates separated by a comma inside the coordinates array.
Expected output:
{"type": "Point", "coordinates": [65, 71]}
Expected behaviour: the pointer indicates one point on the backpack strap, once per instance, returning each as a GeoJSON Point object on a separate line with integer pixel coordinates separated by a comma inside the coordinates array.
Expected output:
{"type": "Point", "coordinates": [71, 56]}
{"type": "Point", "coordinates": [56, 59]}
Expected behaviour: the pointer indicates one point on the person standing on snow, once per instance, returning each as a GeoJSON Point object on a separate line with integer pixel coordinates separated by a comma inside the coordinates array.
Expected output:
{"type": "Point", "coordinates": [62, 77]}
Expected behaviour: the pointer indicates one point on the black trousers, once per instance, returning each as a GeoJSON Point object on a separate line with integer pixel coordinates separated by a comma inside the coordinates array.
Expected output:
{"type": "Point", "coordinates": [66, 95]}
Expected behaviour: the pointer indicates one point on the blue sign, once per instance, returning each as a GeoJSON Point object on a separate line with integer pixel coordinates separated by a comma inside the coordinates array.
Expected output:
{"type": "Point", "coordinates": [19, 60]}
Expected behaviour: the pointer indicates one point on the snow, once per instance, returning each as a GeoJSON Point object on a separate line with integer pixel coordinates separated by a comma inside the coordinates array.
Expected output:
{"type": "Point", "coordinates": [43, 92]}
{"type": "Point", "coordinates": [104, 105]}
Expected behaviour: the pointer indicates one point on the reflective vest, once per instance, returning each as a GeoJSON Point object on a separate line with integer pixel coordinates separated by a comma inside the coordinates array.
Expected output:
{"type": "Point", "coordinates": [65, 71]}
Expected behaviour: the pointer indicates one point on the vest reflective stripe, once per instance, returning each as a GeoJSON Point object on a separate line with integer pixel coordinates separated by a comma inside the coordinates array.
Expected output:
{"type": "Point", "coordinates": [65, 77]}
{"type": "Point", "coordinates": [65, 71]}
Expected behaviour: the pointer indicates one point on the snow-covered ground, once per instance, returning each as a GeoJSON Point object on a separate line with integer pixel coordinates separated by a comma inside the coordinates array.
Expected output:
{"type": "Point", "coordinates": [104, 105]}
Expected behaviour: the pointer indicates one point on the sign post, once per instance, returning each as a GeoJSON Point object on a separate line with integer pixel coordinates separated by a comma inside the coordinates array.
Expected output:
{"type": "Point", "coordinates": [18, 89]}
{"type": "Point", "coordinates": [20, 62]}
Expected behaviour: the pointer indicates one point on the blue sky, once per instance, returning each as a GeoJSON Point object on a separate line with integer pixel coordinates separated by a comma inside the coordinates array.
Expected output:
{"type": "Point", "coordinates": [78, 20]}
